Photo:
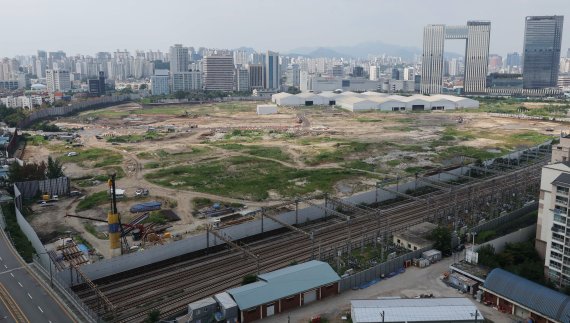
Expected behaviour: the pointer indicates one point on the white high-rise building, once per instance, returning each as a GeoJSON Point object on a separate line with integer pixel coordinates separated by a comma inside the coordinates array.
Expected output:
{"type": "Point", "coordinates": [272, 74]}
{"type": "Point", "coordinates": [58, 80]}
{"type": "Point", "coordinates": [293, 76]}
{"type": "Point", "coordinates": [159, 82]}
{"type": "Point", "coordinates": [552, 242]}
{"type": "Point", "coordinates": [186, 81]}
{"type": "Point", "coordinates": [219, 71]}
{"type": "Point", "coordinates": [374, 73]}
{"type": "Point", "coordinates": [178, 59]}
{"type": "Point", "coordinates": [409, 74]}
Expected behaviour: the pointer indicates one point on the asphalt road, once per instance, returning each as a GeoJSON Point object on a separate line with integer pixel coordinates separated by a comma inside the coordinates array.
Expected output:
{"type": "Point", "coordinates": [22, 297]}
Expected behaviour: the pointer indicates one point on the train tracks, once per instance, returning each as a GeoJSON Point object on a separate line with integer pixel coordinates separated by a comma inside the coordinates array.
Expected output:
{"type": "Point", "coordinates": [171, 287]}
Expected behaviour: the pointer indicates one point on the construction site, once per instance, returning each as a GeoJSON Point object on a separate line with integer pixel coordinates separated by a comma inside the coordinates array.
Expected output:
{"type": "Point", "coordinates": [167, 214]}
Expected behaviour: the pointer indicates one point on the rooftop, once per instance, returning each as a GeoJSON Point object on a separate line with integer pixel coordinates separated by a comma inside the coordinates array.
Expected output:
{"type": "Point", "coordinates": [562, 179]}
{"type": "Point", "coordinates": [284, 282]}
{"type": "Point", "coordinates": [414, 310]}
{"type": "Point", "coordinates": [470, 270]}
{"type": "Point", "coordinates": [417, 234]}
{"type": "Point", "coordinates": [538, 298]}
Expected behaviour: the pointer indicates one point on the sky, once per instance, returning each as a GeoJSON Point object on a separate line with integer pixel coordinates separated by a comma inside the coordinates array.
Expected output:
{"type": "Point", "coordinates": [87, 27]}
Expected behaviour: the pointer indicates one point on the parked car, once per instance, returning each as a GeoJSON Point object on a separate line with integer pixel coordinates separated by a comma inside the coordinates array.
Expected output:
{"type": "Point", "coordinates": [72, 153]}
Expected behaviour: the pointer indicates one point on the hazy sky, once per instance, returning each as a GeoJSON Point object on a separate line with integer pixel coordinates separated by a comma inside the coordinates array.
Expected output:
{"type": "Point", "coordinates": [86, 27]}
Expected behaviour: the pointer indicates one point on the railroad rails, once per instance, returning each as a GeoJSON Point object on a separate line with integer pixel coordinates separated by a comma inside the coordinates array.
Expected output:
{"type": "Point", "coordinates": [171, 287]}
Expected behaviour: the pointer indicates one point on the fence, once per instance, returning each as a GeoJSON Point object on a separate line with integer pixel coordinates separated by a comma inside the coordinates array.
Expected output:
{"type": "Point", "coordinates": [494, 223]}
{"type": "Point", "coordinates": [521, 235]}
{"type": "Point", "coordinates": [53, 186]}
{"type": "Point", "coordinates": [76, 107]}
{"type": "Point", "coordinates": [388, 268]}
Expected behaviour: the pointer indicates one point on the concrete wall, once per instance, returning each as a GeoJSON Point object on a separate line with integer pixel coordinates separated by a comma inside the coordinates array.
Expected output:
{"type": "Point", "coordinates": [58, 186]}
{"type": "Point", "coordinates": [521, 235]}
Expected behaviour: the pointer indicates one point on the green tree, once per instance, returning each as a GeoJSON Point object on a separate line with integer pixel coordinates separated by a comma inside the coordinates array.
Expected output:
{"type": "Point", "coordinates": [441, 237]}
{"type": "Point", "coordinates": [487, 256]}
{"type": "Point", "coordinates": [179, 95]}
{"type": "Point", "coordinates": [28, 172]}
{"type": "Point", "coordinates": [153, 316]}
{"type": "Point", "coordinates": [293, 90]}
{"type": "Point", "coordinates": [248, 279]}
{"type": "Point", "coordinates": [54, 168]}
{"type": "Point", "coordinates": [143, 86]}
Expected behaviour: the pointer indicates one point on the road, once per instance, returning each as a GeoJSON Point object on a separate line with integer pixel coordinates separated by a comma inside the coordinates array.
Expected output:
{"type": "Point", "coordinates": [23, 298]}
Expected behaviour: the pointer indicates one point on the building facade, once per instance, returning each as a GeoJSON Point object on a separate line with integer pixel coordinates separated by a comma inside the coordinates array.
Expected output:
{"type": "Point", "coordinates": [552, 243]}
{"type": "Point", "coordinates": [242, 79]}
{"type": "Point", "coordinates": [160, 83]}
{"type": "Point", "coordinates": [219, 72]}
{"type": "Point", "coordinates": [272, 74]}
{"type": "Point", "coordinates": [58, 80]}
{"type": "Point", "coordinates": [541, 60]}
{"type": "Point", "coordinates": [178, 58]}
{"type": "Point", "coordinates": [256, 76]}
{"type": "Point", "coordinates": [477, 35]}
{"type": "Point", "coordinates": [186, 81]}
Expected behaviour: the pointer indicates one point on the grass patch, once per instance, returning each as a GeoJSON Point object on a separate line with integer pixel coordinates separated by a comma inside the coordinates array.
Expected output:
{"type": "Point", "coordinates": [20, 241]}
{"type": "Point", "coordinates": [156, 217]}
{"type": "Point", "coordinates": [243, 135]}
{"type": "Point", "coordinates": [259, 151]}
{"type": "Point", "coordinates": [359, 164]}
{"type": "Point", "coordinates": [414, 169]}
{"type": "Point", "coordinates": [471, 152]}
{"type": "Point", "coordinates": [368, 120]}
{"type": "Point", "coordinates": [150, 135]}
{"type": "Point", "coordinates": [248, 178]}
{"type": "Point", "coordinates": [98, 156]}
{"type": "Point", "coordinates": [400, 129]}
{"type": "Point", "coordinates": [35, 140]}
{"type": "Point", "coordinates": [93, 200]}
{"type": "Point", "coordinates": [339, 152]}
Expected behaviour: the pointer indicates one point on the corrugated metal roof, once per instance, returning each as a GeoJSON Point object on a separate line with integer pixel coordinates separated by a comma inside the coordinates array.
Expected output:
{"type": "Point", "coordinates": [225, 300]}
{"type": "Point", "coordinates": [202, 303]}
{"type": "Point", "coordinates": [414, 310]}
{"type": "Point", "coordinates": [284, 282]}
{"type": "Point", "coordinates": [536, 297]}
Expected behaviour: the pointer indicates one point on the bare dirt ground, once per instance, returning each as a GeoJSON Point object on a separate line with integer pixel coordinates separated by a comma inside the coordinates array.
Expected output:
{"type": "Point", "coordinates": [322, 130]}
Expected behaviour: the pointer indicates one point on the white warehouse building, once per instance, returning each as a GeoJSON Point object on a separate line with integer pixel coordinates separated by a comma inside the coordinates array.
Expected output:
{"type": "Point", "coordinates": [375, 101]}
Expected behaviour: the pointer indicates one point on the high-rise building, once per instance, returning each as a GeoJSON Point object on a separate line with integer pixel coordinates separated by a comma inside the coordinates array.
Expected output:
{"type": "Point", "coordinates": [293, 75]}
{"type": "Point", "coordinates": [178, 59]}
{"type": "Point", "coordinates": [242, 79]}
{"type": "Point", "coordinates": [409, 74]}
{"type": "Point", "coordinates": [186, 81]}
{"type": "Point", "coordinates": [159, 82]}
{"type": "Point", "coordinates": [219, 71]}
{"type": "Point", "coordinates": [374, 73]}
{"type": "Point", "coordinates": [358, 71]}
{"type": "Point", "coordinates": [97, 86]}
{"type": "Point", "coordinates": [395, 74]}
{"type": "Point", "coordinates": [256, 76]}
{"type": "Point", "coordinates": [58, 80]}
{"type": "Point", "coordinates": [495, 63]}
{"type": "Point", "coordinates": [541, 60]}
{"type": "Point", "coordinates": [513, 60]}
{"type": "Point", "coordinates": [272, 74]}
{"type": "Point", "coordinates": [552, 221]}
{"type": "Point", "coordinates": [337, 70]}
{"type": "Point", "coordinates": [477, 35]}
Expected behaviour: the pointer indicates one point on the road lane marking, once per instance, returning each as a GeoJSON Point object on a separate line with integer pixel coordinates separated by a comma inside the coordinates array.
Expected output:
{"type": "Point", "coordinates": [20, 284]}
{"type": "Point", "coordinates": [12, 274]}
{"type": "Point", "coordinates": [1, 259]}
{"type": "Point", "coordinates": [10, 270]}
{"type": "Point", "coordinates": [39, 308]}
{"type": "Point", "coordinates": [30, 296]}
{"type": "Point", "coordinates": [11, 305]}
{"type": "Point", "coordinates": [5, 266]}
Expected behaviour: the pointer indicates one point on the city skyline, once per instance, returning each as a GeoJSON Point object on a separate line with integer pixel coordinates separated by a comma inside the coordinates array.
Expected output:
{"type": "Point", "coordinates": [136, 25]}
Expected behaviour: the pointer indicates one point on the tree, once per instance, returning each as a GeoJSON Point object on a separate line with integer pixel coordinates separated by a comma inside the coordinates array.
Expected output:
{"type": "Point", "coordinates": [179, 95]}
{"type": "Point", "coordinates": [28, 172]}
{"type": "Point", "coordinates": [441, 237]}
{"type": "Point", "coordinates": [248, 279]}
{"type": "Point", "coordinates": [153, 316]}
{"type": "Point", "coordinates": [487, 256]}
{"type": "Point", "coordinates": [54, 168]}
{"type": "Point", "coordinates": [143, 86]}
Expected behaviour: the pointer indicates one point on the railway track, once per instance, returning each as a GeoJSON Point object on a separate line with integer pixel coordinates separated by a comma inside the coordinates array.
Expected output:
{"type": "Point", "coordinates": [172, 287]}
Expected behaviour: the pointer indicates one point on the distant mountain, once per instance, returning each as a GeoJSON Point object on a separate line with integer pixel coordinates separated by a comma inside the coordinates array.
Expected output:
{"type": "Point", "coordinates": [363, 50]}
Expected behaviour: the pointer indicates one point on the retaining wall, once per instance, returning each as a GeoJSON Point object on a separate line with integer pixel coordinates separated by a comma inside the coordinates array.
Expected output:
{"type": "Point", "coordinates": [521, 235]}
{"type": "Point", "coordinates": [55, 186]}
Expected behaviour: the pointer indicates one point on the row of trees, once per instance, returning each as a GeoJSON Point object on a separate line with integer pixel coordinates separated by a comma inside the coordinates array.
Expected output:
{"type": "Point", "coordinates": [12, 116]}
{"type": "Point", "coordinates": [36, 171]}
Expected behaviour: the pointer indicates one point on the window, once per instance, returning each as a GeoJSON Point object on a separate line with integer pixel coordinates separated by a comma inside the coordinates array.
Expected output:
{"type": "Point", "coordinates": [556, 265]}
{"type": "Point", "coordinates": [415, 248]}
{"type": "Point", "coordinates": [399, 241]}
{"type": "Point", "coordinates": [409, 245]}
{"type": "Point", "coordinates": [557, 237]}
{"type": "Point", "coordinates": [555, 255]}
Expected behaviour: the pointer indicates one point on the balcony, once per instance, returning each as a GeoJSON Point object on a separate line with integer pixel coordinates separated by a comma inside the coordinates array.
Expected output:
{"type": "Point", "coordinates": [559, 238]}
{"type": "Point", "coordinates": [558, 229]}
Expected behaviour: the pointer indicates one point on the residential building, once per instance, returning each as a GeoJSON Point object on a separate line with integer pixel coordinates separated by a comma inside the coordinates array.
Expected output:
{"type": "Point", "coordinates": [178, 59]}
{"type": "Point", "coordinates": [242, 79]}
{"type": "Point", "coordinates": [58, 80]}
{"type": "Point", "coordinates": [97, 86]}
{"type": "Point", "coordinates": [293, 75]}
{"type": "Point", "coordinates": [256, 76]}
{"type": "Point", "coordinates": [358, 71]}
{"type": "Point", "coordinates": [272, 74]}
{"type": "Point", "coordinates": [513, 60]}
{"type": "Point", "coordinates": [524, 299]}
{"type": "Point", "coordinates": [219, 71]}
{"type": "Point", "coordinates": [337, 71]}
{"type": "Point", "coordinates": [409, 73]}
{"type": "Point", "coordinates": [410, 310]}
{"type": "Point", "coordinates": [160, 82]}
{"type": "Point", "coordinates": [187, 81]}
{"type": "Point", "coordinates": [551, 241]}
{"type": "Point", "coordinates": [477, 35]}
{"type": "Point", "coordinates": [374, 73]}
{"type": "Point", "coordinates": [542, 41]}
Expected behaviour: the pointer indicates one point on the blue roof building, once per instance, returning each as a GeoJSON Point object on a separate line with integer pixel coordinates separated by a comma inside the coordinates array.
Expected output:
{"type": "Point", "coordinates": [525, 299]}
{"type": "Point", "coordinates": [284, 289]}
